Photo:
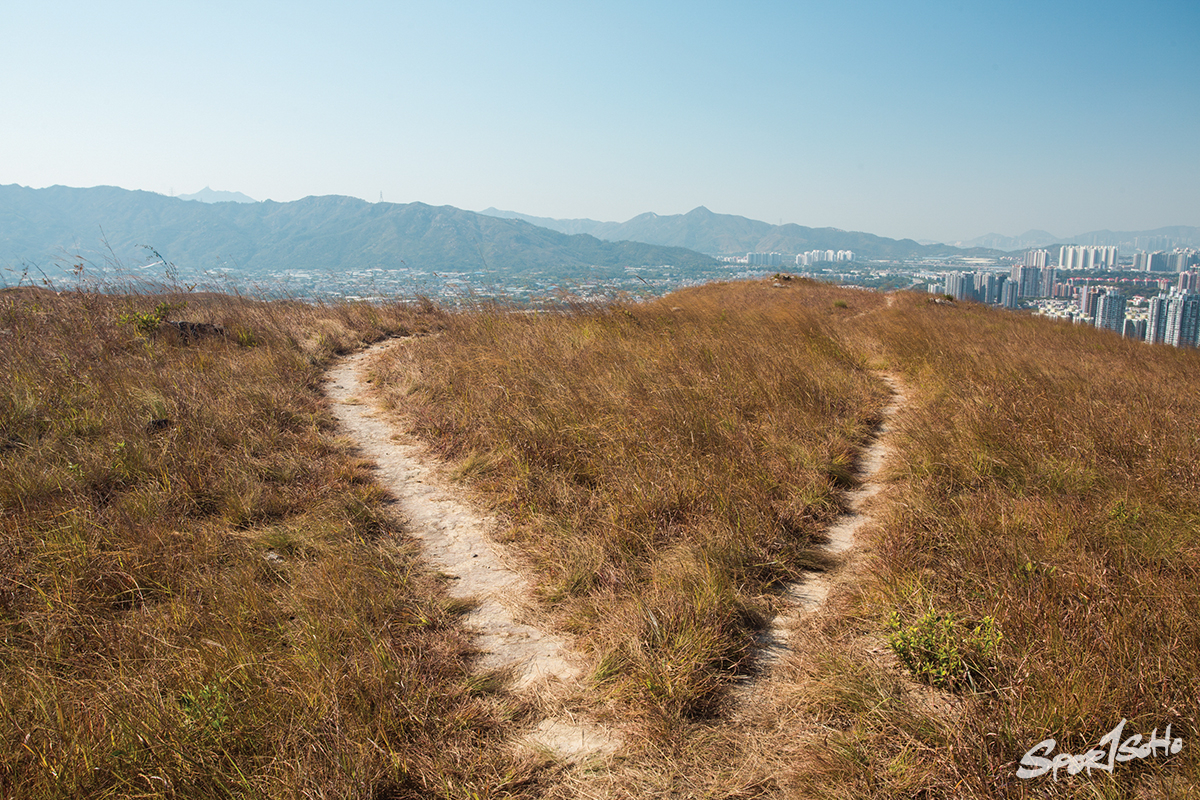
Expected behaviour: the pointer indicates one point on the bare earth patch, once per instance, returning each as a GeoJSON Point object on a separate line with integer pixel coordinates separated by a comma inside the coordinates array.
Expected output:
{"type": "Point", "coordinates": [456, 540]}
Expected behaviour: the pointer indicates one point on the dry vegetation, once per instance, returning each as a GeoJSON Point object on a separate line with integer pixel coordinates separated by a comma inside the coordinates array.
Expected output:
{"type": "Point", "coordinates": [1048, 480]}
{"type": "Point", "coordinates": [202, 594]}
{"type": "Point", "coordinates": [662, 466]}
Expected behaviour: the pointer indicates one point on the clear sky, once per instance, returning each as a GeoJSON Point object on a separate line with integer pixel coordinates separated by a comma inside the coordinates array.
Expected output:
{"type": "Point", "coordinates": [930, 120]}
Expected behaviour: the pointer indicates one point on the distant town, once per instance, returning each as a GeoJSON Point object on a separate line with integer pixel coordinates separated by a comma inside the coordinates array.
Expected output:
{"type": "Point", "coordinates": [1153, 296]}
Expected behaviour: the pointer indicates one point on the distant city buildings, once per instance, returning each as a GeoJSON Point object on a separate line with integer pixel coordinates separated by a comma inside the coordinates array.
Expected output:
{"type": "Point", "coordinates": [1036, 258]}
{"type": "Point", "coordinates": [988, 287]}
{"type": "Point", "coordinates": [1183, 320]}
{"type": "Point", "coordinates": [764, 259]}
{"type": "Point", "coordinates": [1150, 262]}
{"type": "Point", "coordinates": [1033, 281]}
{"type": "Point", "coordinates": [816, 256]}
{"type": "Point", "coordinates": [1156, 320]}
{"type": "Point", "coordinates": [777, 259]}
{"type": "Point", "coordinates": [1189, 282]}
{"type": "Point", "coordinates": [960, 285]}
{"type": "Point", "coordinates": [1172, 317]}
{"type": "Point", "coordinates": [1110, 312]}
{"type": "Point", "coordinates": [1182, 259]}
{"type": "Point", "coordinates": [1087, 257]}
{"type": "Point", "coordinates": [1008, 295]}
{"type": "Point", "coordinates": [1178, 260]}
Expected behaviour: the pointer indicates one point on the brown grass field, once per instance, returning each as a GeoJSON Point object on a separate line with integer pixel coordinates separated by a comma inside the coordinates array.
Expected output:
{"type": "Point", "coordinates": [203, 592]}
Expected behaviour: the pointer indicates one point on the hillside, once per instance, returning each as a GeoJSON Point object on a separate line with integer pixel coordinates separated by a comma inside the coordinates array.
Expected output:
{"type": "Point", "coordinates": [207, 590]}
{"type": "Point", "coordinates": [43, 227]}
{"type": "Point", "coordinates": [728, 234]}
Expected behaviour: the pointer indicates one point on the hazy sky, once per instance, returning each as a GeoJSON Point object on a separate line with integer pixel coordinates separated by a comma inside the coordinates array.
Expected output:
{"type": "Point", "coordinates": [939, 120]}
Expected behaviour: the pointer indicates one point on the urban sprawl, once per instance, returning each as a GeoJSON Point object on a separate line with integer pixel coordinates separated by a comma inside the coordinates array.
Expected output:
{"type": "Point", "coordinates": [1161, 310]}
{"type": "Point", "coordinates": [1151, 296]}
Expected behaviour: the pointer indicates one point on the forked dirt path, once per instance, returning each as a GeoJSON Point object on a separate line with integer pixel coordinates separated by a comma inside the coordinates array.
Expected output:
{"type": "Point", "coordinates": [456, 540]}
{"type": "Point", "coordinates": [808, 594]}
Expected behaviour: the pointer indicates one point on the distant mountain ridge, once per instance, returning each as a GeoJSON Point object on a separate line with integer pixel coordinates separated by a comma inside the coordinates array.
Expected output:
{"type": "Point", "coordinates": [207, 195]}
{"type": "Point", "coordinates": [727, 234]}
{"type": "Point", "coordinates": [1157, 239]}
{"type": "Point", "coordinates": [332, 233]}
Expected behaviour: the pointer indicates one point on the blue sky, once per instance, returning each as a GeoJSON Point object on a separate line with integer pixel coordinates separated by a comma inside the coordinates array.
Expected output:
{"type": "Point", "coordinates": [937, 120]}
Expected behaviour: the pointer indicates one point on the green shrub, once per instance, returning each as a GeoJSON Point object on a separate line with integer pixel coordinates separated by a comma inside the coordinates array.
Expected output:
{"type": "Point", "coordinates": [936, 651]}
{"type": "Point", "coordinates": [149, 321]}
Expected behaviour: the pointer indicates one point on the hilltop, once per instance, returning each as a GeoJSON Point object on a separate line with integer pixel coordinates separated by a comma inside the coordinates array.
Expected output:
{"type": "Point", "coordinates": [206, 588]}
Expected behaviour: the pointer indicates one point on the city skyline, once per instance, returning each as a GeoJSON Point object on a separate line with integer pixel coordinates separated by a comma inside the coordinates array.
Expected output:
{"type": "Point", "coordinates": [932, 122]}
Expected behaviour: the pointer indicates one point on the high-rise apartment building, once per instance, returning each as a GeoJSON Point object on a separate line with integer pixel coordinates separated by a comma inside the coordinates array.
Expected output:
{"type": "Point", "coordinates": [1157, 261]}
{"type": "Point", "coordinates": [1156, 321]}
{"type": "Point", "coordinates": [988, 286]}
{"type": "Point", "coordinates": [816, 256]}
{"type": "Point", "coordinates": [764, 259]}
{"type": "Point", "coordinates": [1110, 312]}
{"type": "Point", "coordinates": [1046, 280]}
{"type": "Point", "coordinates": [1087, 257]}
{"type": "Point", "coordinates": [1183, 320]}
{"type": "Point", "coordinates": [1036, 258]}
{"type": "Point", "coordinates": [1089, 298]}
{"type": "Point", "coordinates": [1008, 294]}
{"type": "Point", "coordinates": [960, 285]}
{"type": "Point", "coordinates": [1182, 258]}
{"type": "Point", "coordinates": [1028, 281]}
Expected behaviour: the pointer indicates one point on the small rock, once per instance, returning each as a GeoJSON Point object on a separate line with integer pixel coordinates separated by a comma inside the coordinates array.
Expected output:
{"type": "Point", "coordinates": [191, 331]}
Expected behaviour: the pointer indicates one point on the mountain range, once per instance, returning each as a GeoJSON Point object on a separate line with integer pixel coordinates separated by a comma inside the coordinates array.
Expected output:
{"type": "Point", "coordinates": [105, 224]}
{"type": "Point", "coordinates": [334, 235]}
{"type": "Point", "coordinates": [728, 234]}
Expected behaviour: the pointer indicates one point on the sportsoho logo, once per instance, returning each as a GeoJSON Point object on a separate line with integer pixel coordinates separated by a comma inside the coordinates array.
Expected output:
{"type": "Point", "coordinates": [1109, 752]}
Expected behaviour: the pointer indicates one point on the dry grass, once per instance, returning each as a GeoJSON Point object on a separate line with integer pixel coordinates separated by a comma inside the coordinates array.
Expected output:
{"type": "Point", "coordinates": [220, 606]}
{"type": "Point", "coordinates": [200, 591]}
{"type": "Point", "coordinates": [664, 466]}
{"type": "Point", "coordinates": [1047, 479]}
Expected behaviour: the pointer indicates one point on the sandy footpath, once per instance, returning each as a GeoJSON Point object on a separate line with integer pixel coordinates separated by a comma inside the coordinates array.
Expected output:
{"type": "Point", "coordinates": [812, 590]}
{"type": "Point", "coordinates": [456, 540]}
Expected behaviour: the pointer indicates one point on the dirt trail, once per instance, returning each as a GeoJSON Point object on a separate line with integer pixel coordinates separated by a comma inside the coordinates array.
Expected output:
{"type": "Point", "coordinates": [456, 540]}
{"type": "Point", "coordinates": [810, 592]}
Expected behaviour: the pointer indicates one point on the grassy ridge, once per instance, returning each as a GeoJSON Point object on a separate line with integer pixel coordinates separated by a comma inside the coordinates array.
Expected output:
{"type": "Point", "coordinates": [1047, 479]}
{"type": "Point", "coordinates": [200, 594]}
{"type": "Point", "coordinates": [663, 465]}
